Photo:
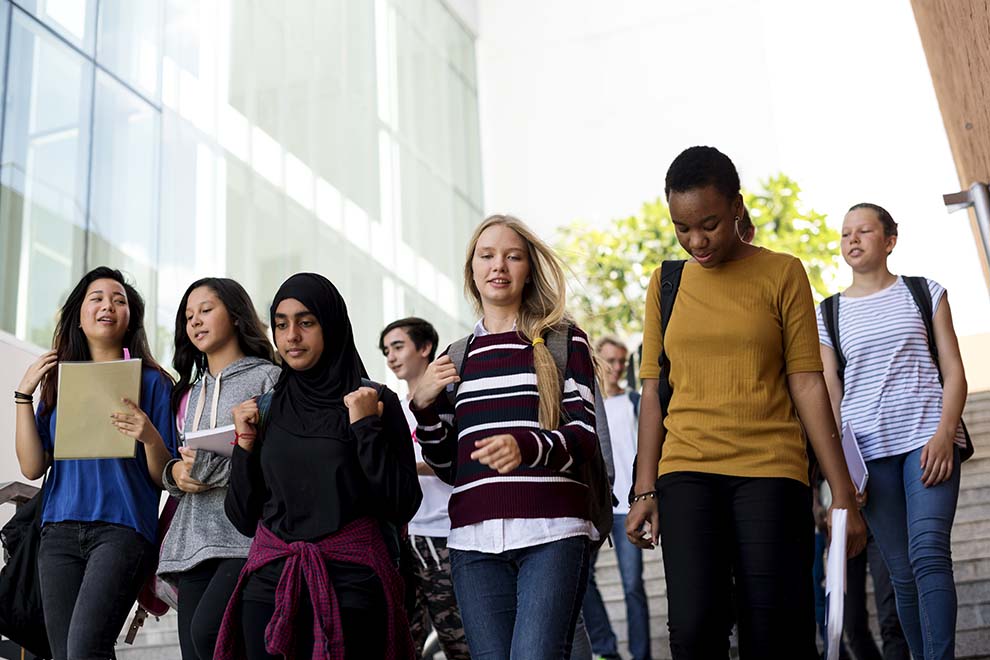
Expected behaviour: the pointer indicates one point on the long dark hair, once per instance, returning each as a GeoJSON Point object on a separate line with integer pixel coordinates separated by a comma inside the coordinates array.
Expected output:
{"type": "Point", "coordinates": [188, 361]}
{"type": "Point", "coordinates": [70, 342]}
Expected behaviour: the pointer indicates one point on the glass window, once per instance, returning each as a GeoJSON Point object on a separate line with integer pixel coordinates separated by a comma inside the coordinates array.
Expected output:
{"type": "Point", "coordinates": [124, 193]}
{"type": "Point", "coordinates": [4, 19]}
{"type": "Point", "coordinates": [129, 42]}
{"type": "Point", "coordinates": [43, 179]}
{"type": "Point", "coordinates": [74, 20]}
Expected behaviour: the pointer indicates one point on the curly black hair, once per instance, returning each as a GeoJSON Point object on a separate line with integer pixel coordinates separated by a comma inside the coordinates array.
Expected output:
{"type": "Point", "coordinates": [697, 167]}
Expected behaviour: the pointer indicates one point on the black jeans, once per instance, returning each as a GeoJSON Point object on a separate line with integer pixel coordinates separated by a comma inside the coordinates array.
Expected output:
{"type": "Point", "coordinates": [364, 627]}
{"type": "Point", "coordinates": [90, 576]}
{"type": "Point", "coordinates": [759, 531]}
{"type": "Point", "coordinates": [204, 591]}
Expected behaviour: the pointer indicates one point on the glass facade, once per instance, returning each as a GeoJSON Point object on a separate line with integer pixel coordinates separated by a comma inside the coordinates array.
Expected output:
{"type": "Point", "coordinates": [176, 139]}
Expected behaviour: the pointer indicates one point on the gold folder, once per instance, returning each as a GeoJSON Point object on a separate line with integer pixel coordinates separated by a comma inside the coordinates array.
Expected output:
{"type": "Point", "coordinates": [88, 393]}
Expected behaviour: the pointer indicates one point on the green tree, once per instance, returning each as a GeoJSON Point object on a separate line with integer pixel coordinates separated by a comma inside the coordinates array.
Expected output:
{"type": "Point", "coordinates": [611, 265]}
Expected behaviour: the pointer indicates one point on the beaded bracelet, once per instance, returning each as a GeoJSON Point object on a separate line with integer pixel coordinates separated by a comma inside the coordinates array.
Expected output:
{"type": "Point", "coordinates": [651, 495]}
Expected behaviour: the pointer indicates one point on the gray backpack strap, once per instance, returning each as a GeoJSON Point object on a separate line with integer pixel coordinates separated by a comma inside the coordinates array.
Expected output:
{"type": "Point", "coordinates": [557, 344]}
{"type": "Point", "coordinates": [456, 353]}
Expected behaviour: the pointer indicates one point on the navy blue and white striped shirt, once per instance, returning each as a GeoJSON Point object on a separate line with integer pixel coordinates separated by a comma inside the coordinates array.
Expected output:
{"type": "Point", "coordinates": [892, 397]}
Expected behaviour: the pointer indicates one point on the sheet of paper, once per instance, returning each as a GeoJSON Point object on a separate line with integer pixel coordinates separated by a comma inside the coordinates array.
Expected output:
{"type": "Point", "coordinates": [219, 440]}
{"type": "Point", "coordinates": [854, 458]}
{"type": "Point", "coordinates": [835, 583]}
{"type": "Point", "coordinates": [88, 393]}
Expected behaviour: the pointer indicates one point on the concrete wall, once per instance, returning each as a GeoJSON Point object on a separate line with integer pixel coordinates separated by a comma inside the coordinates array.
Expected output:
{"type": "Point", "coordinates": [15, 356]}
{"type": "Point", "coordinates": [956, 38]}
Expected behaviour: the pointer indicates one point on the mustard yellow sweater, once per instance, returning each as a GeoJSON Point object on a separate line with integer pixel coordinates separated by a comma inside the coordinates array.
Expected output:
{"type": "Point", "coordinates": [736, 332]}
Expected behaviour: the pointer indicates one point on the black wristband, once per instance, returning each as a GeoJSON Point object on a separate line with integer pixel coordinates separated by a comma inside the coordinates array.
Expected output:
{"type": "Point", "coordinates": [21, 396]}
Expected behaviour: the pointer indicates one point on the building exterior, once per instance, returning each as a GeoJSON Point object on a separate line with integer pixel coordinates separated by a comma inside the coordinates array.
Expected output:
{"type": "Point", "coordinates": [176, 139]}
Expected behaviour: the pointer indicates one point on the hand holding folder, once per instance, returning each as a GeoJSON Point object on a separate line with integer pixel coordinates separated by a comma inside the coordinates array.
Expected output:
{"type": "Point", "coordinates": [88, 394]}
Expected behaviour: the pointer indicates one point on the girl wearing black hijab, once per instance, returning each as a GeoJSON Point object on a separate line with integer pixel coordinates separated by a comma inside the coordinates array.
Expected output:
{"type": "Point", "coordinates": [318, 472]}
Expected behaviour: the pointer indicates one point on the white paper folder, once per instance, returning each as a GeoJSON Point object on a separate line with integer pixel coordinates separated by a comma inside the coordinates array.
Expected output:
{"type": "Point", "coordinates": [88, 393]}
{"type": "Point", "coordinates": [835, 582]}
{"type": "Point", "coordinates": [219, 440]}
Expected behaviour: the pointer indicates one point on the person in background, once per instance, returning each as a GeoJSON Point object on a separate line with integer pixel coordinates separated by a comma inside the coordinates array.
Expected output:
{"type": "Point", "coordinates": [223, 357]}
{"type": "Point", "coordinates": [409, 345]}
{"type": "Point", "coordinates": [622, 408]}
{"type": "Point", "coordinates": [99, 533]}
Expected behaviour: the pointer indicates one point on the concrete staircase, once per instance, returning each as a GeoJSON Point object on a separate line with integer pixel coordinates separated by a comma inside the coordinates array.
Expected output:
{"type": "Point", "coordinates": [157, 640]}
{"type": "Point", "coordinates": [970, 552]}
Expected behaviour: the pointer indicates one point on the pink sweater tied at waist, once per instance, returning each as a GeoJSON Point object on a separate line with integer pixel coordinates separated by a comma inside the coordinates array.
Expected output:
{"type": "Point", "coordinates": [359, 542]}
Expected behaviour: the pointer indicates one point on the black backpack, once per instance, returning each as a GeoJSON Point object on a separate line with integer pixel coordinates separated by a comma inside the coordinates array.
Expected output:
{"type": "Point", "coordinates": [596, 472]}
{"type": "Point", "coordinates": [918, 286]}
{"type": "Point", "coordinates": [670, 282]}
{"type": "Point", "coordinates": [390, 532]}
{"type": "Point", "coordinates": [22, 617]}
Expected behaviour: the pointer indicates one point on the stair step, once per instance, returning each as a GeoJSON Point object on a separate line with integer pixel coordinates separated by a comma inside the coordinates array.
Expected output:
{"type": "Point", "coordinates": [974, 496]}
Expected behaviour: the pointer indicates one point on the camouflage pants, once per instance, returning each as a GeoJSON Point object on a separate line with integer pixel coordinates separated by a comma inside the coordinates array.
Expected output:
{"type": "Point", "coordinates": [434, 602]}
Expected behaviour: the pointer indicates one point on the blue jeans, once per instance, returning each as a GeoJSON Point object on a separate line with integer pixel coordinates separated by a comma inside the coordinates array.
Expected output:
{"type": "Point", "coordinates": [630, 560]}
{"type": "Point", "coordinates": [911, 524]}
{"type": "Point", "coordinates": [521, 604]}
{"type": "Point", "coordinates": [90, 575]}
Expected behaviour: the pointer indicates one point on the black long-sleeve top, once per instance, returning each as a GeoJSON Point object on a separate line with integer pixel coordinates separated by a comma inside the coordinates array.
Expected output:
{"type": "Point", "coordinates": [304, 489]}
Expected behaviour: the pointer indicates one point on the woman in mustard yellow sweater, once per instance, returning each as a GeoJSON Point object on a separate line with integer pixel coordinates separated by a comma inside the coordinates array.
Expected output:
{"type": "Point", "coordinates": [732, 501]}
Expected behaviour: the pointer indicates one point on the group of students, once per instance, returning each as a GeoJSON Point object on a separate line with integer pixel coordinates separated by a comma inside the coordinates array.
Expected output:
{"type": "Point", "coordinates": [347, 521]}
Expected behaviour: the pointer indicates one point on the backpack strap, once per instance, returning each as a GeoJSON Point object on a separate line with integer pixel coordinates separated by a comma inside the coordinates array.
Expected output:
{"type": "Point", "coordinates": [918, 286]}
{"type": "Point", "coordinates": [557, 344]}
{"type": "Point", "coordinates": [634, 398]}
{"type": "Point", "coordinates": [456, 353]}
{"type": "Point", "coordinates": [377, 387]}
{"type": "Point", "coordinates": [830, 317]}
{"type": "Point", "coordinates": [264, 407]}
{"type": "Point", "coordinates": [670, 282]}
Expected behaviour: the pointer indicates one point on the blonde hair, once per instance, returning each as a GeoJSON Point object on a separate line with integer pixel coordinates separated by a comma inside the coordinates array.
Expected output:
{"type": "Point", "coordinates": [543, 308]}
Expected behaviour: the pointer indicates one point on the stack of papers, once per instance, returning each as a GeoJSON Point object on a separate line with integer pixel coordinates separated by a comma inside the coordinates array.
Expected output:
{"type": "Point", "coordinates": [219, 440]}
{"type": "Point", "coordinates": [835, 583]}
{"type": "Point", "coordinates": [88, 393]}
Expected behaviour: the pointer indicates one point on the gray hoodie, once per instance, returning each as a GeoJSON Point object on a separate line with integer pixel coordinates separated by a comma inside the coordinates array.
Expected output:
{"type": "Point", "coordinates": [200, 529]}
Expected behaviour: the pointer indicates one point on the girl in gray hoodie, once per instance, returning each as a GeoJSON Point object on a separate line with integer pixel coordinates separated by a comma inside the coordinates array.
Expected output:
{"type": "Point", "coordinates": [223, 357]}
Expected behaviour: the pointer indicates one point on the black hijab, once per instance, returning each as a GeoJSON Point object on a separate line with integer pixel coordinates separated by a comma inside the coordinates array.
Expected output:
{"type": "Point", "coordinates": [311, 403]}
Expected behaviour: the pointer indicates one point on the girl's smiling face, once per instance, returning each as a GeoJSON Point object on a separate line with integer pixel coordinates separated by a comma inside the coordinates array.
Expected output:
{"type": "Point", "coordinates": [500, 266]}
{"type": "Point", "coordinates": [105, 314]}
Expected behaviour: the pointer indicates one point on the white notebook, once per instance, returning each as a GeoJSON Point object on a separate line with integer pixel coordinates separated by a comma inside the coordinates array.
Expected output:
{"type": "Point", "coordinates": [854, 458]}
{"type": "Point", "coordinates": [219, 440]}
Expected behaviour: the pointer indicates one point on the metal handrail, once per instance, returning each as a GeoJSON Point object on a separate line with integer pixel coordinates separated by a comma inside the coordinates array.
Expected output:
{"type": "Point", "coordinates": [17, 492]}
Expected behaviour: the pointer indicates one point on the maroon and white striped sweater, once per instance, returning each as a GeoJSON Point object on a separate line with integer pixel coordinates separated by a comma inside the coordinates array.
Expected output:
{"type": "Point", "coordinates": [497, 394]}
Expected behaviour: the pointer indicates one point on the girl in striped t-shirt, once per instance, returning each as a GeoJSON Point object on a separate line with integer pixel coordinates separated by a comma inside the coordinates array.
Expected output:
{"type": "Point", "coordinates": [906, 423]}
{"type": "Point", "coordinates": [510, 446]}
